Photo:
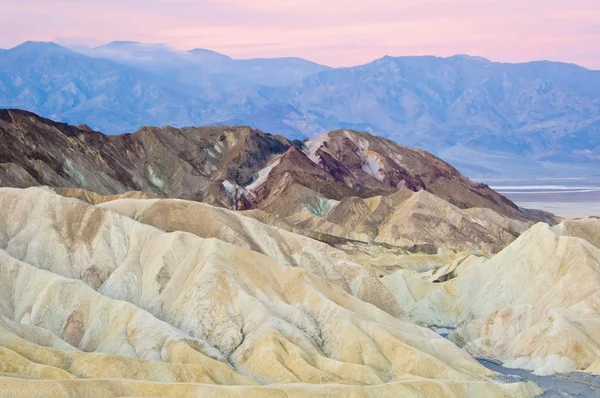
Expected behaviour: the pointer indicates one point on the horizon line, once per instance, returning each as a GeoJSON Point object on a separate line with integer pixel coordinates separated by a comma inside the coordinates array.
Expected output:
{"type": "Point", "coordinates": [167, 46]}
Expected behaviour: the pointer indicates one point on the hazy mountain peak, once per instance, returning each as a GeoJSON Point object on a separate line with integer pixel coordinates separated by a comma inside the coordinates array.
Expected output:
{"type": "Point", "coordinates": [116, 43]}
{"type": "Point", "coordinates": [204, 51]}
{"type": "Point", "coordinates": [406, 57]}
{"type": "Point", "coordinates": [135, 45]}
{"type": "Point", "coordinates": [459, 107]}
{"type": "Point", "coordinates": [26, 54]}
{"type": "Point", "coordinates": [37, 46]}
{"type": "Point", "coordinates": [428, 59]}
{"type": "Point", "coordinates": [470, 58]}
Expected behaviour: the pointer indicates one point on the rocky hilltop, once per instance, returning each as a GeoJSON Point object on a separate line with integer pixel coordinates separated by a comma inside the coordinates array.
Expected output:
{"type": "Point", "coordinates": [185, 162]}
{"type": "Point", "coordinates": [344, 186]}
{"type": "Point", "coordinates": [207, 162]}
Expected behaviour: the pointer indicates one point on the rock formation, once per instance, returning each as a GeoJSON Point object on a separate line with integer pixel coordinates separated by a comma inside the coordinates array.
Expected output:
{"type": "Point", "coordinates": [286, 248]}
{"type": "Point", "coordinates": [392, 194]}
{"type": "Point", "coordinates": [208, 163]}
{"type": "Point", "coordinates": [94, 303]}
{"type": "Point", "coordinates": [226, 261]}
{"type": "Point", "coordinates": [534, 305]}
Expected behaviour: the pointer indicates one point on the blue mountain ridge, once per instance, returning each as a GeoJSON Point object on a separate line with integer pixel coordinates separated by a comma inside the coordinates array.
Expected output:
{"type": "Point", "coordinates": [480, 113]}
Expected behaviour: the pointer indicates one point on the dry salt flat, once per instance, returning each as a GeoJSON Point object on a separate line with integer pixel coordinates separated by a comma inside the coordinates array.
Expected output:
{"type": "Point", "coordinates": [575, 197]}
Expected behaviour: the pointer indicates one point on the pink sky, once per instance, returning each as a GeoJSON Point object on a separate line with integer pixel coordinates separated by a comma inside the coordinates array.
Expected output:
{"type": "Point", "coordinates": [332, 32]}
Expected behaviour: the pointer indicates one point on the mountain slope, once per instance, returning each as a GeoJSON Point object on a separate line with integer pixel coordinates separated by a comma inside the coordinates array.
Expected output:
{"type": "Point", "coordinates": [123, 86]}
{"type": "Point", "coordinates": [286, 248]}
{"type": "Point", "coordinates": [194, 314]}
{"type": "Point", "coordinates": [439, 103]}
{"type": "Point", "coordinates": [59, 83]}
{"type": "Point", "coordinates": [187, 163]}
{"type": "Point", "coordinates": [204, 68]}
{"type": "Point", "coordinates": [310, 188]}
{"type": "Point", "coordinates": [485, 117]}
{"type": "Point", "coordinates": [232, 166]}
{"type": "Point", "coordinates": [534, 305]}
{"type": "Point", "coordinates": [382, 163]}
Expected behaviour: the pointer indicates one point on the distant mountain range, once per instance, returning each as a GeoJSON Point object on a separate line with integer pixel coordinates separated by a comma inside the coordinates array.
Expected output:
{"type": "Point", "coordinates": [487, 118]}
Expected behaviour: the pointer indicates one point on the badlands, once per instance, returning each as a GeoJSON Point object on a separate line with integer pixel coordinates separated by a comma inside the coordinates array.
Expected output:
{"type": "Point", "coordinates": [224, 261]}
{"type": "Point", "coordinates": [97, 304]}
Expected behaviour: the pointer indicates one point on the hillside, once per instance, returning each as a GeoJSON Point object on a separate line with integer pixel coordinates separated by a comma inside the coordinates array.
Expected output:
{"type": "Point", "coordinates": [534, 305]}
{"type": "Point", "coordinates": [156, 313]}
{"type": "Point", "coordinates": [227, 261]}
{"type": "Point", "coordinates": [244, 169]}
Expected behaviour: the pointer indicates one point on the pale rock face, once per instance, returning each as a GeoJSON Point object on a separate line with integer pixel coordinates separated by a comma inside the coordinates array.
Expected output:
{"type": "Point", "coordinates": [534, 305]}
{"type": "Point", "coordinates": [96, 304]}
{"type": "Point", "coordinates": [284, 247]}
{"type": "Point", "coordinates": [94, 198]}
{"type": "Point", "coordinates": [380, 233]}
{"type": "Point", "coordinates": [408, 218]}
{"type": "Point", "coordinates": [587, 229]}
{"type": "Point", "coordinates": [426, 219]}
{"type": "Point", "coordinates": [263, 174]}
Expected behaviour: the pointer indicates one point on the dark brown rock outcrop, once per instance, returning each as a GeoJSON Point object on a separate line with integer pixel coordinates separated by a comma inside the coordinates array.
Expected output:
{"type": "Point", "coordinates": [234, 167]}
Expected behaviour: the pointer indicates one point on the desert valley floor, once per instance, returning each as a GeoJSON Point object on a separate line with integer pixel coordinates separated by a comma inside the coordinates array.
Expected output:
{"type": "Point", "coordinates": [574, 197]}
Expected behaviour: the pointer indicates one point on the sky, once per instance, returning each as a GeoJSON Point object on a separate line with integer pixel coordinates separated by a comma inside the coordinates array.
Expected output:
{"type": "Point", "coordinates": [331, 32]}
